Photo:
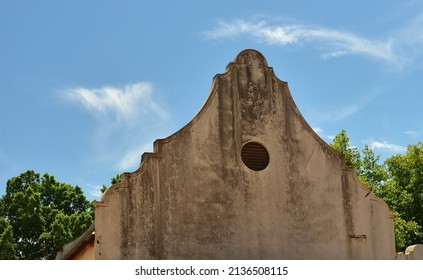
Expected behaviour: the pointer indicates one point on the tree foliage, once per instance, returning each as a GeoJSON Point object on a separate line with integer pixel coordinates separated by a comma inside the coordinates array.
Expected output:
{"type": "Point", "coordinates": [403, 191]}
{"type": "Point", "coordinates": [341, 143]}
{"type": "Point", "coordinates": [399, 181]}
{"type": "Point", "coordinates": [7, 242]}
{"type": "Point", "coordinates": [369, 170]}
{"type": "Point", "coordinates": [42, 215]}
{"type": "Point", "coordinates": [114, 180]}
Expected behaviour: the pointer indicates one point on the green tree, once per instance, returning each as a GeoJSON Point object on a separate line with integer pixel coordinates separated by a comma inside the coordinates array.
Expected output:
{"type": "Point", "coordinates": [116, 179]}
{"type": "Point", "coordinates": [406, 233]}
{"type": "Point", "coordinates": [7, 242]}
{"type": "Point", "coordinates": [43, 214]}
{"type": "Point", "coordinates": [369, 170]}
{"type": "Point", "coordinates": [403, 191]}
{"type": "Point", "coordinates": [103, 188]}
{"type": "Point", "coordinates": [367, 165]}
{"type": "Point", "coordinates": [341, 143]}
{"type": "Point", "coordinates": [399, 181]}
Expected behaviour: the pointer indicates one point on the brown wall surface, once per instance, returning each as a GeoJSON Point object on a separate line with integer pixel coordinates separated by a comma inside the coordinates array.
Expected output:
{"type": "Point", "coordinates": [194, 198]}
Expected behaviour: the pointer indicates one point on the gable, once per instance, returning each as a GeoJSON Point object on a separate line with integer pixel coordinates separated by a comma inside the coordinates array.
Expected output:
{"type": "Point", "coordinates": [247, 178]}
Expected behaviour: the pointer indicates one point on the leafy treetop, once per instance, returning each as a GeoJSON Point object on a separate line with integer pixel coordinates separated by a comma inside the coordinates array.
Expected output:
{"type": "Point", "coordinates": [38, 215]}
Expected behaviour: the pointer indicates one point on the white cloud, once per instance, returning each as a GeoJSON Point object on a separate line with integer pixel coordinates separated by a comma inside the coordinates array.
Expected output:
{"type": "Point", "coordinates": [412, 133]}
{"type": "Point", "coordinates": [346, 111]}
{"type": "Point", "coordinates": [128, 116]}
{"type": "Point", "coordinates": [95, 191]}
{"type": "Point", "coordinates": [378, 145]}
{"type": "Point", "coordinates": [125, 103]}
{"type": "Point", "coordinates": [318, 130]}
{"type": "Point", "coordinates": [412, 33]}
{"type": "Point", "coordinates": [132, 158]}
{"type": "Point", "coordinates": [335, 43]}
{"type": "Point", "coordinates": [339, 114]}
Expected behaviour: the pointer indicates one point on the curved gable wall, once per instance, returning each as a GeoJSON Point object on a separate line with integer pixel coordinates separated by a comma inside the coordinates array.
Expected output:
{"type": "Point", "coordinates": [194, 198]}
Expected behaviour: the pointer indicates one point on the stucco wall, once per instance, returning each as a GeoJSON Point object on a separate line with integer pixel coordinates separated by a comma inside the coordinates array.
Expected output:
{"type": "Point", "coordinates": [194, 198]}
{"type": "Point", "coordinates": [414, 252]}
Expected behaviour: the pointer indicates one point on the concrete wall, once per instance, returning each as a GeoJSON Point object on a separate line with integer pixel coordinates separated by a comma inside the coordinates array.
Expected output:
{"type": "Point", "coordinates": [194, 198]}
{"type": "Point", "coordinates": [414, 252]}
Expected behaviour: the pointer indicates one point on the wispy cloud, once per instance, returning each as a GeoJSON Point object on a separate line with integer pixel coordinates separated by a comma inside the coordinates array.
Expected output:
{"type": "Point", "coordinates": [132, 158]}
{"type": "Point", "coordinates": [412, 133]}
{"type": "Point", "coordinates": [124, 103]}
{"type": "Point", "coordinates": [342, 113]}
{"type": "Point", "coordinates": [318, 130]}
{"type": "Point", "coordinates": [334, 43]}
{"type": "Point", "coordinates": [347, 111]}
{"type": "Point", "coordinates": [412, 32]}
{"type": "Point", "coordinates": [95, 191]}
{"type": "Point", "coordinates": [129, 119]}
{"type": "Point", "coordinates": [385, 146]}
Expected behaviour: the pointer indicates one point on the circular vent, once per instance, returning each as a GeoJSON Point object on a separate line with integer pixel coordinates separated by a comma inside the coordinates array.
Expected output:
{"type": "Point", "coordinates": [255, 156]}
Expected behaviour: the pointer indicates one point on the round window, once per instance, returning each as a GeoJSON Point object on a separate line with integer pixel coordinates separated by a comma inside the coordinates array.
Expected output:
{"type": "Point", "coordinates": [255, 156]}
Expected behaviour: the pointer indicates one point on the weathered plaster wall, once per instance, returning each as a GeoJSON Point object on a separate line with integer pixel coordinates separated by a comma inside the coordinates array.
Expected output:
{"type": "Point", "coordinates": [414, 252]}
{"type": "Point", "coordinates": [194, 198]}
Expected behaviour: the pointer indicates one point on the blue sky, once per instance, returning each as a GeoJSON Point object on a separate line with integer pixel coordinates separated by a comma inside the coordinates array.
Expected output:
{"type": "Point", "coordinates": [87, 86]}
